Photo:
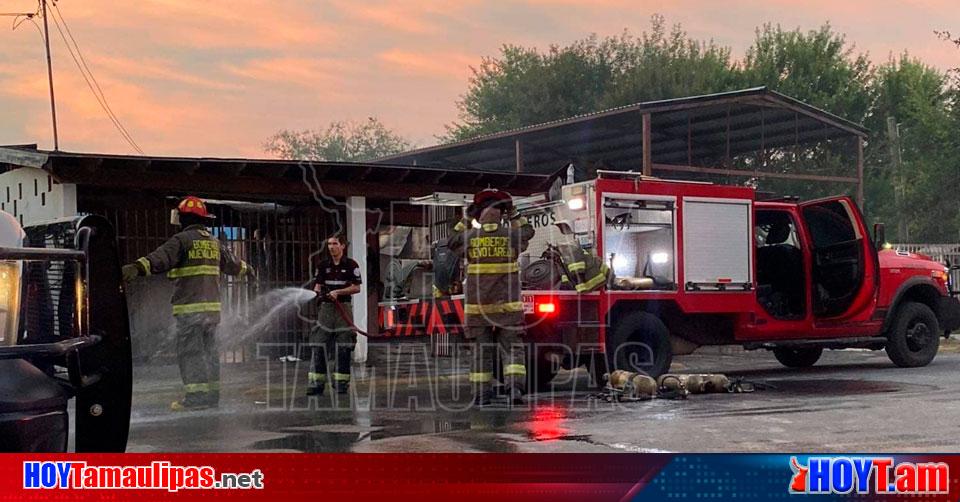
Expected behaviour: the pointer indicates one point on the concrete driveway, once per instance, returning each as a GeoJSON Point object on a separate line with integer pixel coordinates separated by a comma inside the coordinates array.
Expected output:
{"type": "Point", "coordinates": [408, 402]}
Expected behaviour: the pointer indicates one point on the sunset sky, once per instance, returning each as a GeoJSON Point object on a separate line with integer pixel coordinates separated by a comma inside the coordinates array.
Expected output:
{"type": "Point", "coordinates": [213, 78]}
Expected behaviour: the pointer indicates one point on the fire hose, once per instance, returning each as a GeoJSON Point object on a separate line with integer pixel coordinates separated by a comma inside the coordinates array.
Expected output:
{"type": "Point", "coordinates": [346, 318]}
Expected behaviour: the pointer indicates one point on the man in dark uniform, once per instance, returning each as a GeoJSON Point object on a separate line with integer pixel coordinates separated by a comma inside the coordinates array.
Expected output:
{"type": "Point", "coordinates": [493, 310]}
{"type": "Point", "coordinates": [194, 259]}
{"type": "Point", "coordinates": [337, 279]}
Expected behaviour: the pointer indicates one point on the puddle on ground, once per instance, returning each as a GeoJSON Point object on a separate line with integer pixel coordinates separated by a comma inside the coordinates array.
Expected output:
{"type": "Point", "coordinates": [815, 388]}
{"type": "Point", "coordinates": [342, 437]}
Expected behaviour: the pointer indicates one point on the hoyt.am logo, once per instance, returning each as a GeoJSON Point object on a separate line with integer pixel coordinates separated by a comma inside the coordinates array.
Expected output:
{"type": "Point", "coordinates": [876, 475]}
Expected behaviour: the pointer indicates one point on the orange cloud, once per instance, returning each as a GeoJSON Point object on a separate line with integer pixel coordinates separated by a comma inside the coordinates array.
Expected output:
{"type": "Point", "coordinates": [313, 73]}
{"type": "Point", "coordinates": [159, 69]}
{"type": "Point", "coordinates": [215, 78]}
{"type": "Point", "coordinates": [425, 17]}
{"type": "Point", "coordinates": [393, 16]}
{"type": "Point", "coordinates": [435, 64]}
{"type": "Point", "coordinates": [248, 24]}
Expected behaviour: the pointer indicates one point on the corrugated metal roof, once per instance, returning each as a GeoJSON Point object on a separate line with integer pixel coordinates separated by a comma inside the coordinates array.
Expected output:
{"type": "Point", "coordinates": [262, 178]}
{"type": "Point", "coordinates": [692, 130]}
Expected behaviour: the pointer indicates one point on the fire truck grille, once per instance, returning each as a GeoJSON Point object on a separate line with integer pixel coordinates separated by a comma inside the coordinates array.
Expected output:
{"type": "Point", "coordinates": [49, 287]}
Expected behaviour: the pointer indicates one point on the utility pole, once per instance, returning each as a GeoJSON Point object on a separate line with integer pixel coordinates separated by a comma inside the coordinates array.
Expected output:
{"type": "Point", "coordinates": [53, 103]}
{"type": "Point", "coordinates": [896, 162]}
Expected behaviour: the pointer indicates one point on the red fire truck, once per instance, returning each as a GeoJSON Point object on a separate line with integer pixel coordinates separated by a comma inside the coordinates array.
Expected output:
{"type": "Point", "coordinates": [698, 264]}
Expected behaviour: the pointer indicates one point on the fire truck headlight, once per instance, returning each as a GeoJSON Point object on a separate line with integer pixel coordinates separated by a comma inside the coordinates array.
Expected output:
{"type": "Point", "coordinates": [576, 203]}
{"type": "Point", "coordinates": [942, 275]}
{"type": "Point", "coordinates": [659, 258]}
{"type": "Point", "coordinates": [9, 301]}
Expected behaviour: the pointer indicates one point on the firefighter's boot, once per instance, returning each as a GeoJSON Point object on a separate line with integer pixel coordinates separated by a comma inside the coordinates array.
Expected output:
{"type": "Point", "coordinates": [316, 383]}
{"type": "Point", "coordinates": [343, 386]}
{"type": "Point", "coordinates": [191, 401]}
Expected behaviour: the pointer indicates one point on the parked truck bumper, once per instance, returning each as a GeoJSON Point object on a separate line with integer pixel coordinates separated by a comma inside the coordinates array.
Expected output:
{"type": "Point", "coordinates": [948, 311]}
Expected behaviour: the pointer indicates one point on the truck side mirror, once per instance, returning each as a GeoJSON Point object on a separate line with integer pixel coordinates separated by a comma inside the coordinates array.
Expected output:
{"type": "Point", "coordinates": [879, 236]}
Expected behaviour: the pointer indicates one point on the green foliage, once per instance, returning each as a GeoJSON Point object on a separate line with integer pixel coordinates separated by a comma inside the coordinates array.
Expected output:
{"type": "Point", "coordinates": [818, 67]}
{"type": "Point", "coordinates": [663, 64]}
{"type": "Point", "coordinates": [949, 37]}
{"type": "Point", "coordinates": [340, 141]}
{"type": "Point", "coordinates": [924, 107]}
{"type": "Point", "coordinates": [524, 86]}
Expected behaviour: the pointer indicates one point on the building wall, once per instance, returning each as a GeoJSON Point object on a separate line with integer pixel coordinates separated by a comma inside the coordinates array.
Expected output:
{"type": "Point", "coordinates": [32, 196]}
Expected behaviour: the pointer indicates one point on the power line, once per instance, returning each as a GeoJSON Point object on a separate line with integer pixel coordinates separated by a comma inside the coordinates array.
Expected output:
{"type": "Point", "coordinates": [27, 16]}
{"type": "Point", "coordinates": [94, 87]}
{"type": "Point", "coordinates": [88, 76]}
{"type": "Point", "coordinates": [83, 61]}
{"type": "Point", "coordinates": [94, 79]}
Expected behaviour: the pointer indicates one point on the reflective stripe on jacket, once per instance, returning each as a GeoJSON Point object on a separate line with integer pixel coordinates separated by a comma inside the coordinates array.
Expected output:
{"type": "Point", "coordinates": [492, 292]}
{"type": "Point", "coordinates": [584, 269]}
{"type": "Point", "coordinates": [193, 259]}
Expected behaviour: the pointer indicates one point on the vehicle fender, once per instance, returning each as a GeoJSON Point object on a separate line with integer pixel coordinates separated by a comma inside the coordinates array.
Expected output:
{"type": "Point", "coordinates": [901, 293]}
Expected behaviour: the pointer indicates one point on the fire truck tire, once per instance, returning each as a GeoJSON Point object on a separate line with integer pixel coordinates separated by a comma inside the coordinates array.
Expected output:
{"type": "Point", "coordinates": [914, 337]}
{"type": "Point", "coordinates": [639, 342]}
{"type": "Point", "coordinates": [798, 357]}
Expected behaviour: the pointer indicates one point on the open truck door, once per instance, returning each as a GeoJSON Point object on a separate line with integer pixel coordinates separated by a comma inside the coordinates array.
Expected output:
{"type": "Point", "coordinates": [844, 267]}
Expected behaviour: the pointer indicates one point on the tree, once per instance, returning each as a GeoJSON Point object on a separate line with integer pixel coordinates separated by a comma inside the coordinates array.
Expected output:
{"type": "Point", "coordinates": [918, 98]}
{"type": "Point", "coordinates": [663, 64]}
{"type": "Point", "coordinates": [821, 68]}
{"type": "Point", "coordinates": [339, 141]}
{"type": "Point", "coordinates": [524, 86]}
{"type": "Point", "coordinates": [949, 37]}
{"type": "Point", "coordinates": [818, 67]}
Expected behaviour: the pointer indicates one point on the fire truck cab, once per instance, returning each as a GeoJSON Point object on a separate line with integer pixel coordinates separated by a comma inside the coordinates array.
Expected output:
{"type": "Point", "coordinates": [696, 264]}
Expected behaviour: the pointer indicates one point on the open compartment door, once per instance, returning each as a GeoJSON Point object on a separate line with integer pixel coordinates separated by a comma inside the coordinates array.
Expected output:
{"type": "Point", "coordinates": [717, 244]}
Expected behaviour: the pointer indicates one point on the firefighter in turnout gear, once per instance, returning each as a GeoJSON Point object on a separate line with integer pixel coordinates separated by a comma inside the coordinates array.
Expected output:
{"type": "Point", "coordinates": [583, 270]}
{"type": "Point", "coordinates": [337, 279]}
{"type": "Point", "coordinates": [492, 238]}
{"type": "Point", "coordinates": [194, 260]}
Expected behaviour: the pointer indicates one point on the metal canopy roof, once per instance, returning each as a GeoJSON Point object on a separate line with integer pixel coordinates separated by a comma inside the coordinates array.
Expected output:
{"type": "Point", "coordinates": [701, 130]}
{"type": "Point", "coordinates": [261, 179]}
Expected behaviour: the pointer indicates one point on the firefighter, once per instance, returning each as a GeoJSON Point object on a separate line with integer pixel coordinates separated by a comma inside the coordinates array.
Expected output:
{"type": "Point", "coordinates": [337, 279]}
{"type": "Point", "coordinates": [492, 238]}
{"type": "Point", "coordinates": [583, 270]}
{"type": "Point", "coordinates": [194, 259]}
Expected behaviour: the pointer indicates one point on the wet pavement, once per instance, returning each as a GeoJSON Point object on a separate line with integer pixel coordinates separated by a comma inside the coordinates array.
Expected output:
{"type": "Point", "coordinates": [852, 400]}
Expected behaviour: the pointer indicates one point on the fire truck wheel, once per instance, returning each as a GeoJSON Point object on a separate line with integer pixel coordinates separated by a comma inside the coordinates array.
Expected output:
{"type": "Point", "coordinates": [914, 337]}
{"type": "Point", "coordinates": [798, 357]}
{"type": "Point", "coordinates": [639, 342]}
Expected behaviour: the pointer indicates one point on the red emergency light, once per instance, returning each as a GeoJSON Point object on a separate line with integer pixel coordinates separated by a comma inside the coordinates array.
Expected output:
{"type": "Point", "coordinates": [546, 308]}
